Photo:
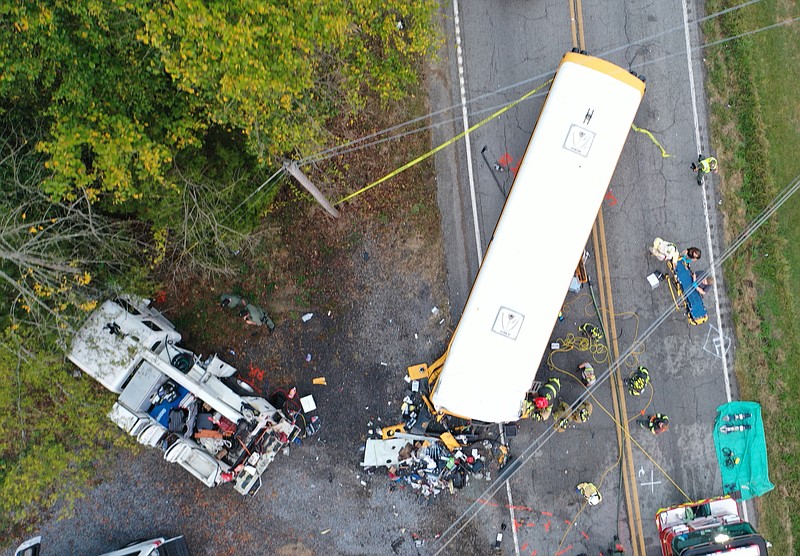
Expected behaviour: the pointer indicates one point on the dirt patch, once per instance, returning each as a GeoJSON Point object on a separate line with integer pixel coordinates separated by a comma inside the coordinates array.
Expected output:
{"type": "Point", "coordinates": [372, 279]}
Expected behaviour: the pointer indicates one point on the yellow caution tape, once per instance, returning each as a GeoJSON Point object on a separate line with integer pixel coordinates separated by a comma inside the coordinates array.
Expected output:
{"type": "Point", "coordinates": [664, 153]}
{"type": "Point", "coordinates": [443, 145]}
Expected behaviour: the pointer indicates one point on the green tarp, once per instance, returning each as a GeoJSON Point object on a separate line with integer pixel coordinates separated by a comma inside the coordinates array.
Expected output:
{"type": "Point", "coordinates": [742, 450]}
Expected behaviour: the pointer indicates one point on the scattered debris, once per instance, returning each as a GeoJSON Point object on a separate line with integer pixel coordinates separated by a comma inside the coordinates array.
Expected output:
{"type": "Point", "coordinates": [308, 404]}
{"type": "Point", "coordinates": [308, 316]}
{"type": "Point", "coordinates": [498, 541]}
{"type": "Point", "coordinates": [313, 425]}
{"type": "Point", "coordinates": [428, 453]}
{"type": "Point", "coordinates": [428, 465]}
{"type": "Point", "coordinates": [320, 381]}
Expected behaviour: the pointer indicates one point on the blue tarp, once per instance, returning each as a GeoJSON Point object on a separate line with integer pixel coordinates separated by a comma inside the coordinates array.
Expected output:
{"type": "Point", "coordinates": [160, 412]}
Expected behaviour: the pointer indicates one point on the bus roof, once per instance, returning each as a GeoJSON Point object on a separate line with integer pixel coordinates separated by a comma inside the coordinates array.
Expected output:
{"type": "Point", "coordinates": [537, 243]}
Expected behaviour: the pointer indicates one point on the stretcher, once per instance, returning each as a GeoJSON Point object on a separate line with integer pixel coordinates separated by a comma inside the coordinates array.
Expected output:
{"type": "Point", "coordinates": [680, 280]}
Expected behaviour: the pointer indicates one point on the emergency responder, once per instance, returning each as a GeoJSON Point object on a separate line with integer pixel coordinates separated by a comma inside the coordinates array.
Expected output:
{"type": "Point", "coordinates": [582, 412]}
{"type": "Point", "coordinates": [536, 408]}
{"type": "Point", "coordinates": [656, 424]}
{"type": "Point", "coordinates": [587, 372]}
{"type": "Point", "coordinates": [591, 331]}
{"type": "Point", "coordinates": [704, 166]}
{"type": "Point", "coordinates": [550, 390]}
{"type": "Point", "coordinates": [560, 417]}
{"type": "Point", "coordinates": [590, 492]}
{"type": "Point", "coordinates": [256, 316]}
{"type": "Point", "coordinates": [638, 381]}
{"type": "Point", "coordinates": [231, 301]}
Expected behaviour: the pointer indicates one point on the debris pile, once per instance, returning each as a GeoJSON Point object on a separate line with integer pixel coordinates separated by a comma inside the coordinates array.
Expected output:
{"type": "Point", "coordinates": [430, 465]}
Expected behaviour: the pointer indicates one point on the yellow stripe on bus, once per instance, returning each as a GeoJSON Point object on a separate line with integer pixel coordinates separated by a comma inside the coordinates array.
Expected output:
{"type": "Point", "coordinates": [603, 66]}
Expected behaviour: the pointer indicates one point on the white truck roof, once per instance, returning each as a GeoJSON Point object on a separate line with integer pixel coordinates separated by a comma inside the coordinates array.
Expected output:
{"type": "Point", "coordinates": [110, 357]}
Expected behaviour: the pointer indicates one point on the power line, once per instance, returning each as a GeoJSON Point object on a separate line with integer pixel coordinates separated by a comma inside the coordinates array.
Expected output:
{"type": "Point", "coordinates": [469, 514]}
{"type": "Point", "coordinates": [357, 144]}
{"type": "Point", "coordinates": [363, 143]}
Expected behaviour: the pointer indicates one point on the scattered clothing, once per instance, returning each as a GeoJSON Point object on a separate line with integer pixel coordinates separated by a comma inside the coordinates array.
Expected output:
{"type": "Point", "coordinates": [616, 549]}
{"type": "Point", "coordinates": [590, 492]}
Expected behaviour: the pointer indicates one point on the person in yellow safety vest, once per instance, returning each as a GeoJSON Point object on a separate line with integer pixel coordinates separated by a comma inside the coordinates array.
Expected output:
{"type": "Point", "coordinates": [638, 381]}
{"type": "Point", "coordinates": [582, 412]}
{"type": "Point", "coordinates": [704, 166]}
{"type": "Point", "coordinates": [550, 390]}
{"type": "Point", "coordinates": [587, 372]}
{"type": "Point", "coordinates": [590, 492]}
{"type": "Point", "coordinates": [560, 417]}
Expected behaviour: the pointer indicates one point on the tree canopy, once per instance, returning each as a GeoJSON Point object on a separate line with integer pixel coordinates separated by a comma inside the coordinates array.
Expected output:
{"type": "Point", "coordinates": [129, 132]}
{"type": "Point", "coordinates": [130, 88]}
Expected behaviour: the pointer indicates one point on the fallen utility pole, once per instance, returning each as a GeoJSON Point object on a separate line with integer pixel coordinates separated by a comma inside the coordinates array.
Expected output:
{"type": "Point", "coordinates": [291, 167]}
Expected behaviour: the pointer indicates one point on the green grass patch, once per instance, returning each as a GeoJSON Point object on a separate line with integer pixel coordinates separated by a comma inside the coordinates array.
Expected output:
{"type": "Point", "coordinates": [755, 117]}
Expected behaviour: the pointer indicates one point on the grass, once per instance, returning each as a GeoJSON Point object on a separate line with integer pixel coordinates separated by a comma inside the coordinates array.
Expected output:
{"type": "Point", "coordinates": [755, 118]}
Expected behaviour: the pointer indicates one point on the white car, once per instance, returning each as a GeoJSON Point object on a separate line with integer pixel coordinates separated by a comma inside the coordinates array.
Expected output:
{"type": "Point", "coordinates": [154, 547]}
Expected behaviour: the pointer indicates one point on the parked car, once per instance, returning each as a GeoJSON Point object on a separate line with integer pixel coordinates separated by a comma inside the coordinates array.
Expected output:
{"type": "Point", "coordinates": [154, 547]}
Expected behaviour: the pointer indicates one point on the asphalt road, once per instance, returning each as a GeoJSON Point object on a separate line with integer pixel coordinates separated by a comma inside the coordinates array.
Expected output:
{"type": "Point", "coordinates": [507, 49]}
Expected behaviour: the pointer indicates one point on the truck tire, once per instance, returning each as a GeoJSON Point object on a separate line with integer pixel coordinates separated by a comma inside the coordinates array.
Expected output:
{"type": "Point", "coordinates": [183, 362]}
{"type": "Point", "coordinates": [239, 386]}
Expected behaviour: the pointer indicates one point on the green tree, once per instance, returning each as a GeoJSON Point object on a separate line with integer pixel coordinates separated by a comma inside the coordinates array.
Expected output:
{"type": "Point", "coordinates": [133, 88]}
{"type": "Point", "coordinates": [52, 426]}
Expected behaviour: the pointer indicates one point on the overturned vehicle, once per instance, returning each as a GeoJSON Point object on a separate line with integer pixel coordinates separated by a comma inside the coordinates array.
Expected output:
{"type": "Point", "coordinates": [193, 409]}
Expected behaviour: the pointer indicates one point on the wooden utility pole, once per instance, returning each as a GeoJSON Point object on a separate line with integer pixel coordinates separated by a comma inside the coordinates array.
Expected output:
{"type": "Point", "coordinates": [291, 167]}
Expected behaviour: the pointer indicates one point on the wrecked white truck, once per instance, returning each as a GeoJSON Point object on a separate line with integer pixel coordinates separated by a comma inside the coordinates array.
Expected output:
{"type": "Point", "coordinates": [192, 409]}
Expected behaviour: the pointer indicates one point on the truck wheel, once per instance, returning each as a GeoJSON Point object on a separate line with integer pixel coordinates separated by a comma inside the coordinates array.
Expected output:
{"type": "Point", "coordinates": [183, 362]}
{"type": "Point", "coordinates": [243, 386]}
{"type": "Point", "coordinates": [239, 386]}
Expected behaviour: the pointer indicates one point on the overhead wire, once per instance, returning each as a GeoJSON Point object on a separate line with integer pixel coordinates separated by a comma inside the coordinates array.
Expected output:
{"type": "Point", "coordinates": [357, 144]}
{"type": "Point", "coordinates": [515, 465]}
{"type": "Point", "coordinates": [363, 143]}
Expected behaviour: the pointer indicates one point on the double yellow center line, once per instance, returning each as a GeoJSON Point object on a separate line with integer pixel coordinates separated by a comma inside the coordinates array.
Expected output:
{"type": "Point", "coordinates": [609, 324]}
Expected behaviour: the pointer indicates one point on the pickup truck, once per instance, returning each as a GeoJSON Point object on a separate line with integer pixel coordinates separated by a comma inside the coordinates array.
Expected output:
{"type": "Point", "coordinates": [193, 409]}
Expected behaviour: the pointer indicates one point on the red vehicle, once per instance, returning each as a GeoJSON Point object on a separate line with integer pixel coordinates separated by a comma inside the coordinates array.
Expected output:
{"type": "Point", "coordinates": [708, 527]}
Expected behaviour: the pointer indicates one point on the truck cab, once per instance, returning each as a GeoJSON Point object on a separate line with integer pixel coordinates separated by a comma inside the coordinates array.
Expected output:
{"type": "Point", "coordinates": [711, 526]}
{"type": "Point", "coordinates": [170, 398]}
